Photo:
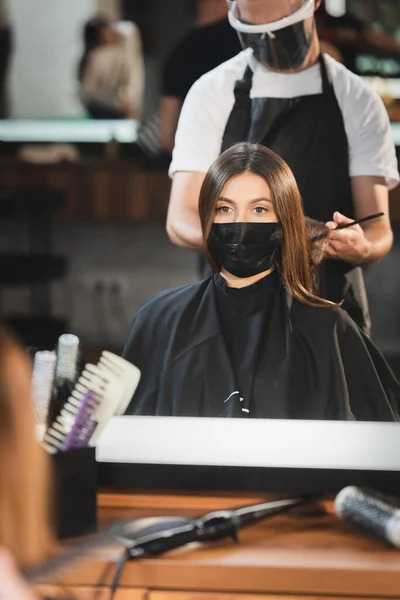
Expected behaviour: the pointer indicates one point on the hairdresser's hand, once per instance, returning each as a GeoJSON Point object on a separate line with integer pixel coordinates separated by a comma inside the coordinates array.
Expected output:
{"type": "Point", "coordinates": [349, 244]}
{"type": "Point", "coordinates": [12, 585]}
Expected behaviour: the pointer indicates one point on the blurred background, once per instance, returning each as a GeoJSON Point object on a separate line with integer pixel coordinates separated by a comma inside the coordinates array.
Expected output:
{"type": "Point", "coordinates": [90, 94]}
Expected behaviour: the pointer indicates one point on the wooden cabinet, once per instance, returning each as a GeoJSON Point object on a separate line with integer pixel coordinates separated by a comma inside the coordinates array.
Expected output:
{"type": "Point", "coordinates": [97, 189]}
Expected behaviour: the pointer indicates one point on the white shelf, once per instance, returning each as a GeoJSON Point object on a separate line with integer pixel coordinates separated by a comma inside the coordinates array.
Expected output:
{"type": "Point", "coordinates": [65, 131]}
{"type": "Point", "coordinates": [251, 443]}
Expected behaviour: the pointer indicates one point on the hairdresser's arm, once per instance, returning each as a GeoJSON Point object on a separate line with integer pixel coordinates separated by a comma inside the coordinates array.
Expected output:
{"type": "Point", "coordinates": [183, 223]}
{"type": "Point", "coordinates": [369, 243]}
{"type": "Point", "coordinates": [197, 145]}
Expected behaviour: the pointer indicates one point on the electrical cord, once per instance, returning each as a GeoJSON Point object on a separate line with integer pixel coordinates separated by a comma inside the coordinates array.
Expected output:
{"type": "Point", "coordinates": [102, 580]}
{"type": "Point", "coordinates": [118, 572]}
{"type": "Point", "coordinates": [107, 571]}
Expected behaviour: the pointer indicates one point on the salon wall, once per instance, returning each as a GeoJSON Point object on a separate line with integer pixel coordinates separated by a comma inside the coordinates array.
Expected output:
{"type": "Point", "coordinates": [138, 256]}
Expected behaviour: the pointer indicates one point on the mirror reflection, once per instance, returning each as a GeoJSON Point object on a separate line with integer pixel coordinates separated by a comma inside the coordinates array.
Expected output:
{"type": "Point", "coordinates": [183, 187]}
{"type": "Point", "coordinates": [256, 339]}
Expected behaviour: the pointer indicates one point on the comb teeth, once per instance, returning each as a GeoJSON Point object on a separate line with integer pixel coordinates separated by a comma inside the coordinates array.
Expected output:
{"type": "Point", "coordinates": [102, 391]}
{"type": "Point", "coordinates": [84, 424]}
{"type": "Point", "coordinates": [74, 427]}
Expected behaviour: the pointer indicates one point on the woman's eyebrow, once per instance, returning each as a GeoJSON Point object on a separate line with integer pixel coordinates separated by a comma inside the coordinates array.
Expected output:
{"type": "Point", "coordinates": [263, 199]}
{"type": "Point", "coordinates": [222, 199]}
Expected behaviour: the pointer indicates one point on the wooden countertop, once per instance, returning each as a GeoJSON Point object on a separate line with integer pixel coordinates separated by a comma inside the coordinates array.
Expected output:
{"type": "Point", "coordinates": [308, 551]}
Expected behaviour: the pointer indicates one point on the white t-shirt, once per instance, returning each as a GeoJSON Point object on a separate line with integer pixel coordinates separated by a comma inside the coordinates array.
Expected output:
{"type": "Point", "coordinates": [209, 103]}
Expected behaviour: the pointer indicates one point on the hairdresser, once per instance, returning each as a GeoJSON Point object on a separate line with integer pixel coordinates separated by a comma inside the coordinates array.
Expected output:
{"type": "Point", "coordinates": [327, 124]}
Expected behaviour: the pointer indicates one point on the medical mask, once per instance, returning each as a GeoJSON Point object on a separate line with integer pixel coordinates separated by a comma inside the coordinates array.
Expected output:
{"type": "Point", "coordinates": [245, 249]}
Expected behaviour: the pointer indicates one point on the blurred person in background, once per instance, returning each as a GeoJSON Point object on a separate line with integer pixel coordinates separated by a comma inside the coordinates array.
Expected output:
{"type": "Point", "coordinates": [351, 41]}
{"type": "Point", "coordinates": [350, 37]}
{"type": "Point", "coordinates": [211, 42]}
{"type": "Point", "coordinates": [111, 71]}
{"type": "Point", "coordinates": [25, 537]}
{"type": "Point", "coordinates": [344, 33]}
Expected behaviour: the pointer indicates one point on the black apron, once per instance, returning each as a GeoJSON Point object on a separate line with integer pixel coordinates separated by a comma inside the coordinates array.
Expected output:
{"type": "Point", "coordinates": [308, 132]}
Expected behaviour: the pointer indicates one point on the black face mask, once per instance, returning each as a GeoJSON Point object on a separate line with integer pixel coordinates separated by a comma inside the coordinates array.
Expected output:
{"type": "Point", "coordinates": [285, 51]}
{"type": "Point", "coordinates": [245, 249]}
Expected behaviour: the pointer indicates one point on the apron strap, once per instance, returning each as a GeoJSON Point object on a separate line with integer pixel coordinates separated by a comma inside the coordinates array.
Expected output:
{"type": "Point", "coordinates": [238, 124]}
{"type": "Point", "coordinates": [327, 83]}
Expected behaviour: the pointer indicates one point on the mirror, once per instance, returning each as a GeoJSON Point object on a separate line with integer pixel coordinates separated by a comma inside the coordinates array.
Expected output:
{"type": "Point", "coordinates": [98, 143]}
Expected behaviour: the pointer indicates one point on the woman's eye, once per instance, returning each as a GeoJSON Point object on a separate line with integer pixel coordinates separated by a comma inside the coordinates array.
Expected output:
{"type": "Point", "coordinates": [260, 209]}
{"type": "Point", "coordinates": [223, 209]}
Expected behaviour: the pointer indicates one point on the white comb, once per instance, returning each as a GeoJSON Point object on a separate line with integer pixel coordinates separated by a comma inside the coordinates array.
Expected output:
{"type": "Point", "coordinates": [126, 371]}
{"type": "Point", "coordinates": [113, 380]}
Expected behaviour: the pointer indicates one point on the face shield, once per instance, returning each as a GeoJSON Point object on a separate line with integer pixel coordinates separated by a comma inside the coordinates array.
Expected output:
{"type": "Point", "coordinates": [280, 32]}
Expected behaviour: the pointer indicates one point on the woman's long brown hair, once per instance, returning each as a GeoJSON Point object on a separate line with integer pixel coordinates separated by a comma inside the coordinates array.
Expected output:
{"type": "Point", "coordinates": [24, 526]}
{"type": "Point", "coordinates": [295, 267]}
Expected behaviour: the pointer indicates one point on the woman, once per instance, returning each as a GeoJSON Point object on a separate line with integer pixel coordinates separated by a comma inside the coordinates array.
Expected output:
{"type": "Point", "coordinates": [111, 72]}
{"type": "Point", "coordinates": [254, 340]}
{"type": "Point", "coordinates": [24, 517]}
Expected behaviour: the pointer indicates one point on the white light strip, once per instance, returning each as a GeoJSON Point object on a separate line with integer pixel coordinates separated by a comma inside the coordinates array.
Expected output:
{"type": "Point", "coordinates": [396, 133]}
{"type": "Point", "coordinates": [305, 12]}
{"type": "Point", "coordinates": [96, 131]}
{"type": "Point", "coordinates": [251, 443]}
{"type": "Point", "coordinates": [90, 131]}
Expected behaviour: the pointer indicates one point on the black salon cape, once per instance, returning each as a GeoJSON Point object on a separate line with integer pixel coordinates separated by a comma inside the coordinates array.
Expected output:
{"type": "Point", "coordinates": [314, 362]}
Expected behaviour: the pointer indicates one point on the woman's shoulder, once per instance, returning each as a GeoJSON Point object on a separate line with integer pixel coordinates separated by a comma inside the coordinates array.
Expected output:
{"type": "Point", "coordinates": [323, 316]}
{"type": "Point", "coordinates": [158, 317]}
